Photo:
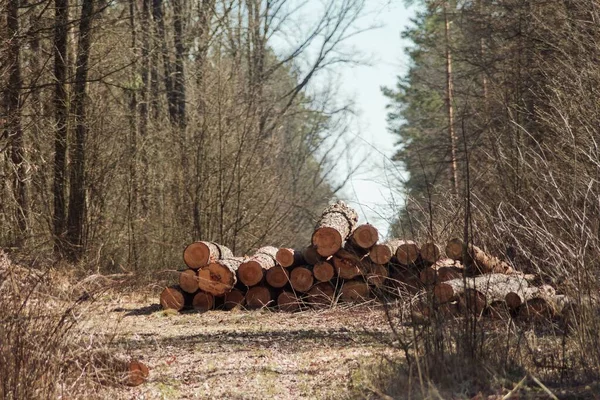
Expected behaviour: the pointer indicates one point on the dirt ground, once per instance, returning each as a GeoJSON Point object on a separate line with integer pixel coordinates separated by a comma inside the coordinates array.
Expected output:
{"type": "Point", "coordinates": [244, 354]}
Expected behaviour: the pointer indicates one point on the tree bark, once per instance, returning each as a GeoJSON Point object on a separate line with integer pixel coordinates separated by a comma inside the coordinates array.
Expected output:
{"type": "Point", "coordinates": [443, 270]}
{"type": "Point", "coordinates": [450, 101]}
{"type": "Point", "coordinates": [478, 261]}
{"type": "Point", "coordinates": [335, 225]}
{"type": "Point", "coordinates": [492, 286]}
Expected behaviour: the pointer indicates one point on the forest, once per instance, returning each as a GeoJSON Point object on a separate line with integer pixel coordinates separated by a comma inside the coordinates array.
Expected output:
{"type": "Point", "coordinates": [130, 129]}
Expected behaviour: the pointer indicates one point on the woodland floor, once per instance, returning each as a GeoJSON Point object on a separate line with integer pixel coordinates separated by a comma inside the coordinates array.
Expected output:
{"type": "Point", "coordinates": [243, 354]}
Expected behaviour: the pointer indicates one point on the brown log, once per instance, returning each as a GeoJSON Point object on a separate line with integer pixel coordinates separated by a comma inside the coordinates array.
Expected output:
{"type": "Point", "coordinates": [493, 287]}
{"type": "Point", "coordinates": [137, 373]}
{"type": "Point", "coordinates": [188, 280]}
{"type": "Point", "coordinates": [364, 236]}
{"type": "Point", "coordinates": [234, 299]}
{"type": "Point", "coordinates": [430, 252]}
{"type": "Point", "coordinates": [383, 253]}
{"type": "Point", "coordinates": [219, 277]}
{"type": "Point", "coordinates": [277, 276]}
{"type": "Point", "coordinates": [407, 252]}
{"type": "Point", "coordinates": [203, 301]}
{"type": "Point", "coordinates": [321, 295]}
{"type": "Point", "coordinates": [258, 297]}
{"type": "Point", "coordinates": [473, 301]}
{"type": "Point", "coordinates": [290, 257]}
{"type": "Point", "coordinates": [200, 254]}
{"type": "Point", "coordinates": [288, 302]}
{"type": "Point", "coordinates": [376, 274]}
{"type": "Point", "coordinates": [443, 270]}
{"type": "Point", "coordinates": [336, 224]}
{"type": "Point", "coordinates": [252, 271]}
{"type": "Point", "coordinates": [499, 310]}
{"type": "Point", "coordinates": [478, 261]}
{"type": "Point", "coordinates": [539, 309]}
{"type": "Point", "coordinates": [347, 264]}
{"type": "Point", "coordinates": [301, 279]}
{"type": "Point", "coordinates": [405, 281]}
{"type": "Point", "coordinates": [172, 298]}
{"type": "Point", "coordinates": [520, 295]}
{"type": "Point", "coordinates": [323, 271]}
{"type": "Point", "coordinates": [311, 256]}
{"type": "Point", "coordinates": [355, 291]}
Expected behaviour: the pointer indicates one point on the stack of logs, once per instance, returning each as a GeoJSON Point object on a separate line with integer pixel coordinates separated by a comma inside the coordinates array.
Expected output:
{"type": "Point", "coordinates": [345, 262]}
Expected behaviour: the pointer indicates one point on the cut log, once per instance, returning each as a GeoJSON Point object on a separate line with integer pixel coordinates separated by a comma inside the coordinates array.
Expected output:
{"type": "Point", "coordinates": [219, 277]}
{"type": "Point", "coordinates": [203, 301]}
{"type": "Point", "coordinates": [323, 271]}
{"type": "Point", "coordinates": [364, 236]}
{"type": "Point", "coordinates": [430, 252]}
{"type": "Point", "coordinates": [188, 280]}
{"type": "Point", "coordinates": [258, 297]}
{"type": "Point", "coordinates": [253, 269]}
{"type": "Point", "coordinates": [376, 275]}
{"type": "Point", "coordinates": [493, 287]}
{"type": "Point", "coordinates": [355, 291]}
{"type": "Point", "coordinates": [454, 249]}
{"type": "Point", "coordinates": [234, 299]}
{"type": "Point", "coordinates": [520, 295]}
{"type": "Point", "coordinates": [499, 310]}
{"type": "Point", "coordinates": [290, 257]}
{"type": "Point", "coordinates": [383, 253]}
{"type": "Point", "coordinates": [407, 252]}
{"type": "Point", "coordinates": [172, 298]}
{"type": "Point", "coordinates": [443, 270]}
{"type": "Point", "coordinates": [277, 277]}
{"type": "Point", "coordinates": [539, 309]}
{"type": "Point", "coordinates": [289, 302]}
{"type": "Point", "coordinates": [311, 256]}
{"type": "Point", "coordinates": [301, 279]}
{"type": "Point", "coordinates": [478, 261]}
{"type": "Point", "coordinates": [347, 264]}
{"type": "Point", "coordinates": [321, 295]}
{"type": "Point", "coordinates": [405, 281]}
{"type": "Point", "coordinates": [137, 373]}
{"type": "Point", "coordinates": [473, 301]}
{"type": "Point", "coordinates": [200, 254]}
{"type": "Point", "coordinates": [336, 224]}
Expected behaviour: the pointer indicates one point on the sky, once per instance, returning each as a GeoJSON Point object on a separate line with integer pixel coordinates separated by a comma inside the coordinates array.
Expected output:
{"type": "Point", "coordinates": [369, 191]}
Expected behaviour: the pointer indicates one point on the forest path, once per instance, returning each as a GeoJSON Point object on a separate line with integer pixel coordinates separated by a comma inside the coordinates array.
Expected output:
{"type": "Point", "coordinates": [244, 354]}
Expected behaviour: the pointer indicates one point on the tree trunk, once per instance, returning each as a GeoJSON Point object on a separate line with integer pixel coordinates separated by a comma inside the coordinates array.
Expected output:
{"type": "Point", "coordinates": [188, 281]}
{"type": "Point", "coordinates": [355, 291]}
{"type": "Point", "coordinates": [277, 277]}
{"type": "Point", "coordinates": [219, 277]}
{"type": "Point", "coordinates": [172, 298]}
{"type": "Point", "coordinates": [450, 101]}
{"type": "Point", "coordinates": [301, 279]}
{"type": "Point", "coordinates": [234, 299]}
{"type": "Point", "coordinates": [203, 301]}
{"type": "Point", "coordinates": [407, 252]}
{"type": "Point", "coordinates": [323, 271]}
{"type": "Point", "coordinates": [157, 14]}
{"type": "Point", "coordinates": [77, 197]}
{"type": "Point", "coordinates": [335, 225]}
{"type": "Point", "coordinates": [252, 271]}
{"type": "Point", "coordinates": [478, 261]}
{"type": "Point", "coordinates": [376, 274]}
{"type": "Point", "coordinates": [347, 265]}
{"type": "Point", "coordinates": [383, 253]}
{"type": "Point", "coordinates": [443, 270]}
{"type": "Point", "coordinates": [14, 130]}
{"type": "Point", "coordinates": [321, 295]}
{"type": "Point", "coordinates": [519, 295]}
{"type": "Point", "coordinates": [364, 236]}
{"type": "Point", "coordinates": [289, 257]}
{"type": "Point", "coordinates": [491, 286]}
{"type": "Point", "coordinates": [200, 254]}
{"type": "Point", "coordinates": [430, 252]}
{"type": "Point", "coordinates": [258, 297]}
{"type": "Point", "coordinates": [289, 302]}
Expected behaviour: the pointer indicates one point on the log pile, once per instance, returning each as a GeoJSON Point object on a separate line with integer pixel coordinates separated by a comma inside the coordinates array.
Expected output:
{"type": "Point", "coordinates": [347, 262]}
